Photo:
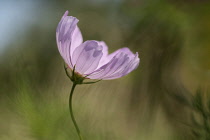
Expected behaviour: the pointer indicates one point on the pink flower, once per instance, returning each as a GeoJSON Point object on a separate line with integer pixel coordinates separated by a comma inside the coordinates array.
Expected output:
{"type": "Point", "coordinates": [90, 59]}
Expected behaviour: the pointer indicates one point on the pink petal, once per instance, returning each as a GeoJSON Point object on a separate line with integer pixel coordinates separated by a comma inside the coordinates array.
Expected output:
{"type": "Point", "coordinates": [121, 64]}
{"type": "Point", "coordinates": [68, 37]}
{"type": "Point", "coordinates": [126, 69]}
{"type": "Point", "coordinates": [86, 57]}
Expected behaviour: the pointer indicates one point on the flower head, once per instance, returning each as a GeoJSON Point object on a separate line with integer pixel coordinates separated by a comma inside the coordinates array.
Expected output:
{"type": "Point", "coordinates": [90, 59]}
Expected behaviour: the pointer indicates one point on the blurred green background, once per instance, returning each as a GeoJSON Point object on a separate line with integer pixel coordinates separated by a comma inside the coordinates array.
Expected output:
{"type": "Point", "coordinates": [152, 103]}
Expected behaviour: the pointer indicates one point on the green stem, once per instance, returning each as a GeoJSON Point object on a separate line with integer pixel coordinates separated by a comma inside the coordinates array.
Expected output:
{"type": "Point", "coordinates": [71, 111]}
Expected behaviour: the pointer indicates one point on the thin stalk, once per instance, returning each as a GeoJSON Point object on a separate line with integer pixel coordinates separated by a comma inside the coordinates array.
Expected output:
{"type": "Point", "coordinates": [71, 111]}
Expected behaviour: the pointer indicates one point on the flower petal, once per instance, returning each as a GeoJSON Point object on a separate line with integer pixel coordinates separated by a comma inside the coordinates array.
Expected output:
{"type": "Point", "coordinates": [86, 57]}
{"type": "Point", "coordinates": [121, 64]}
{"type": "Point", "coordinates": [110, 67]}
{"type": "Point", "coordinates": [76, 39]}
{"type": "Point", "coordinates": [105, 48]}
{"type": "Point", "coordinates": [125, 69]}
{"type": "Point", "coordinates": [105, 53]}
{"type": "Point", "coordinates": [107, 58]}
{"type": "Point", "coordinates": [68, 37]}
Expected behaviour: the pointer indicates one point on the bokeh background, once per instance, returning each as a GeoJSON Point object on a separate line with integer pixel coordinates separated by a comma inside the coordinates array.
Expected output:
{"type": "Point", "coordinates": [152, 103]}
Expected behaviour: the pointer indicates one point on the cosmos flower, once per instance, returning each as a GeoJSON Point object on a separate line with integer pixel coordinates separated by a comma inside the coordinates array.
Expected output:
{"type": "Point", "coordinates": [90, 59]}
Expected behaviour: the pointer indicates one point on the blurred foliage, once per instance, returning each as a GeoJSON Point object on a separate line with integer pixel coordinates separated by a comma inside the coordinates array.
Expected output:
{"type": "Point", "coordinates": [153, 102]}
{"type": "Point", "coordinates": [201, 116]}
